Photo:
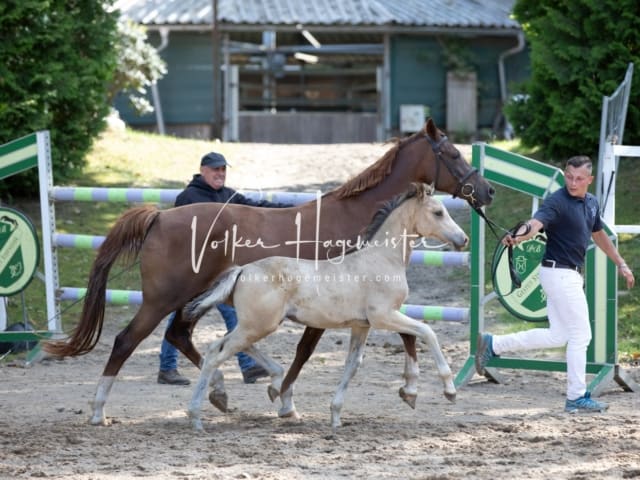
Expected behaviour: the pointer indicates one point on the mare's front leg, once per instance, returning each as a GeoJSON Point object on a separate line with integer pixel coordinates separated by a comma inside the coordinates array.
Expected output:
{"type": "Point", "coordinates": [305, 348]}
{"type": "Point", "coordinates": [353, 362]}
{"type": "Point", "coordinates": [409, 392]}
{"type": "Point", "coordinates": [124, 344]}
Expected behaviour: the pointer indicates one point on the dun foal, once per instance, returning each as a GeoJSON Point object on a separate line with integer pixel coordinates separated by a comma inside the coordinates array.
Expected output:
{"type": "Point", "coordinates": [361, 290]}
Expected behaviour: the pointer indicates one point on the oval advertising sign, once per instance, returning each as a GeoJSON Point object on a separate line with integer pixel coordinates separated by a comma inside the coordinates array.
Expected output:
{"type": "Point", "coordinates": [19, 251]}
{"type": "Point", "coordinates": [528, 302]}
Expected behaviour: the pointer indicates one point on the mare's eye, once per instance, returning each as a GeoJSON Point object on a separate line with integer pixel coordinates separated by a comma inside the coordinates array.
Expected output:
{"type": "Point", "coordinates": [438, 213]}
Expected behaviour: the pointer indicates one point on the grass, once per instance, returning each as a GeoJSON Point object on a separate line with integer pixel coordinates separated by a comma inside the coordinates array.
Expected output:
{"type": "Point", "coordinates": [146, 160]}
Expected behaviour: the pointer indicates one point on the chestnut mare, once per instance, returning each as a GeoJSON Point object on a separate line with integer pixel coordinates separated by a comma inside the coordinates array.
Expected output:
{"type": "Point", "coordinates": [359, 291]}
{"type": "Point", "coordinates": [182, 250]}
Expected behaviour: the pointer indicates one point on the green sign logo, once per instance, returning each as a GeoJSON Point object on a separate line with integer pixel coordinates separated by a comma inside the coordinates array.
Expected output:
{"type": "Point", "coordinates": [19, 251]}
{"type": "Point", "coordinates": [529, 301]}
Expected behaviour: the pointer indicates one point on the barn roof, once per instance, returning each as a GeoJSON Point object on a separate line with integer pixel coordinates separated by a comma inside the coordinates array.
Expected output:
{"type": "Point", "coordinates": [380, 15]}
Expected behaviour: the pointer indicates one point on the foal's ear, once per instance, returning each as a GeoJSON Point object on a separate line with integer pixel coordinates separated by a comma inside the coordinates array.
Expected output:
{"type": "Point", "coordinates": [429, 188]}
{"type": "Point", "coordinates": [416, 189]}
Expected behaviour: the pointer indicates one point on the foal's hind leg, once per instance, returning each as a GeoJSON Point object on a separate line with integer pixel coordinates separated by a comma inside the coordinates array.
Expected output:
{"type": "Point", "coordinates": [273, 368]}
{"type": "Point", "coordinates": [123, 346]}
{"type": "Point", "coordinates": [179, 335]}
{"type": "Point", "coordinates": [353, 362]}
{"type": "Point", "coordinates": [305, 348]}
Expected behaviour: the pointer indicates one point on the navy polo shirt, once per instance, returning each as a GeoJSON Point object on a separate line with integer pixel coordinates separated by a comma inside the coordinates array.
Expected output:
{"type": "Point", "coordinates": [568, 222]}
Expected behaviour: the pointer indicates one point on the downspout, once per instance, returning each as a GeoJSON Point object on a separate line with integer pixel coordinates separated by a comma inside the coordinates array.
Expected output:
{"type": "Point", "coordinates": [157, 106]}
{"type": "Point", "coordinates": [508, 128]}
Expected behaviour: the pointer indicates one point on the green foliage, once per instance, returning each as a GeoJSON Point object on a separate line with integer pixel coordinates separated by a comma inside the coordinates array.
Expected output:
{"type": "Point", "coordinates": [139, 65]}
{"type": "Point", "coordinates": [580, 50]}
{"type": "Point", "coordinates": [57, 62]}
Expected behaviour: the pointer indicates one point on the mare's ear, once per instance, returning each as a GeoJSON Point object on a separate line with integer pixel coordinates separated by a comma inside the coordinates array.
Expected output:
{"type": "Point", "coordinates": [431, 129]}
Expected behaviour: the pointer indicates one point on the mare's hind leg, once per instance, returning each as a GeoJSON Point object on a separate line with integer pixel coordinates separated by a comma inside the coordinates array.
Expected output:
{"type": "Point", "coordinates": [409, 392]}
{"type": "Point", "coordinates": [305, 348]}
{"type": "Point", "coordinates": [123, 346]}
{"type": "Point", "coordinates": [353, 362]}
{"type": "Point", "coordinates": [179, 335]}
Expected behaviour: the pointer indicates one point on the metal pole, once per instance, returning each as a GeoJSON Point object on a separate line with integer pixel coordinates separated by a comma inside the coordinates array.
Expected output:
{"type": "Point", "coordinates": [217, 83]}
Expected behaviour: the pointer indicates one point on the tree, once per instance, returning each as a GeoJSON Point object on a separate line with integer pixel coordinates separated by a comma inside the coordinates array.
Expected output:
{"type": "Point", "coordinates": [58, 59]}
{"type": "Point", "coordinates": [580, 50]}
{"type": "Point", "coordinates": [139, 65]}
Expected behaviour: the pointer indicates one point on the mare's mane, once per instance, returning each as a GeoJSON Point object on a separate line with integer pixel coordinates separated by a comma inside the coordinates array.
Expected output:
{"type": "Point", "coordinates": [376, 172]}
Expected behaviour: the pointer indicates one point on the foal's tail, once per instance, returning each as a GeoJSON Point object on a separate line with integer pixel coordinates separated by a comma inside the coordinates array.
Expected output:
{"type": "Point", "coordinates": [126, 238]}
{"type": "Point", "coordinates": [218, 292]}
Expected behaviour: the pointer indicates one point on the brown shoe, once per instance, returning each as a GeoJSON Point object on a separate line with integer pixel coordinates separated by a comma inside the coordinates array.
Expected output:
{"type": "Point", "coordinates": [172, 377]}
{"type": "Point", "coordinates": [251, 374]}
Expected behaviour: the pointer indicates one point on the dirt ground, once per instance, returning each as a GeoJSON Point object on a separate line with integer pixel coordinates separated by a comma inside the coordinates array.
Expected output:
{"type": "Point", "coordinates": [516, 429]}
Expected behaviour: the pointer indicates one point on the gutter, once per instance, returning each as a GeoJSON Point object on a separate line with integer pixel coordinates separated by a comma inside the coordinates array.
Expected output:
{"type": "Point", "coordinates": [508, 128]}
{"type": "Point", "coordinates": [157, 106]}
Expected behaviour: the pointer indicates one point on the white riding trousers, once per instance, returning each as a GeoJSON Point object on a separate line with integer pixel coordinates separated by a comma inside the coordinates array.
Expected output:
{"type": "Point", "coordinates": [568, 315]}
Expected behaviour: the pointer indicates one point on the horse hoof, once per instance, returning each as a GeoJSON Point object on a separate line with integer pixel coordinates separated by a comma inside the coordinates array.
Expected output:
{"type": "Point", "coordinates": [450, 396]}
{"type": "Point", "coordinates": [99, 422]}
{"type": "Point", "coordinates": [293, 414]}
{"type": "Point", "coordinates": [272, 392]}
{"type": "Point", "coordinates": [409, 398]}
{"type": "Point", "coordinates": [219, 400]}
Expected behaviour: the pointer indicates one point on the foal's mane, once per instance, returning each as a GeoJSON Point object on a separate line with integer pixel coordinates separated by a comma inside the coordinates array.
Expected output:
{"type": "Point", "coordinates": [376, 172]}
{"type": "Point", "coordinates": [383, 213]}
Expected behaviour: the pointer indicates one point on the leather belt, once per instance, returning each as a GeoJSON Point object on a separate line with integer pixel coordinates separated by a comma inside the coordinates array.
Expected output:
{"type": "Point", "coordinates": [554, 264]}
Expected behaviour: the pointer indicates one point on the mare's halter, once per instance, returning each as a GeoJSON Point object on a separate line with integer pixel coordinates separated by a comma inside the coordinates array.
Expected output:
{"type": "Point", "coordinates": [464, 189]}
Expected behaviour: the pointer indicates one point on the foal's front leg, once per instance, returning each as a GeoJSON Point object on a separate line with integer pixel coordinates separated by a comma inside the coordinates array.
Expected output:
{"type": "Point", "coordinates": [398, 322]}
{"type": "Point", "coordinates": [409, 392]}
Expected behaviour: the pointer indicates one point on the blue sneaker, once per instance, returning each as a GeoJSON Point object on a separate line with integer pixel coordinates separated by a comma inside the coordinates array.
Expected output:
{"type": "Point", "coordinates": [584, 404]}
{"type": "Point", "coordinates": [484, 352]}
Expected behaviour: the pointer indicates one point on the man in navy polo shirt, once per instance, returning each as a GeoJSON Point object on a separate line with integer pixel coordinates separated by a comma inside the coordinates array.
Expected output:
{"type": "Point", "coordinates": [208, 186]}
{"type": "Point", "coordinates": [570, 217]}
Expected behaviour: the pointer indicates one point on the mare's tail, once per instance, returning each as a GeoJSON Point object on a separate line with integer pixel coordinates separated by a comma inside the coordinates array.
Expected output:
{"type": "Point", "coordinates": [218, 292]}
{"type": "Point", "coordinates": [125, 238]}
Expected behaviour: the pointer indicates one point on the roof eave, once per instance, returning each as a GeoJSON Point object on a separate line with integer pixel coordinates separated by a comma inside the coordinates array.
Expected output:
{"type": "Point", "coordinates": [365, 29]}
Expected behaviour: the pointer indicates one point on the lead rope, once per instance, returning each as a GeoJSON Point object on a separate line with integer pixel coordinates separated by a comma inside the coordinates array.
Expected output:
{"type": "Point", "coordinates": [516, 282]}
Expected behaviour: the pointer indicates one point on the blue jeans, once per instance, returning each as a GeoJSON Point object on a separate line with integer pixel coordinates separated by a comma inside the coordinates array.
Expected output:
{"type": "Point", "coordinates": [169, 353]}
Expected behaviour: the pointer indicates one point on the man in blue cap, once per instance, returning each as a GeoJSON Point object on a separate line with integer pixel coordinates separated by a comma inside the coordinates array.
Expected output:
{"type": "Point", "coordinates": [208, 186]}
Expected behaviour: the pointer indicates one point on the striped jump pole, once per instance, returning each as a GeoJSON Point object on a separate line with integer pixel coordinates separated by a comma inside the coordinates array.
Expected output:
{"type": "Point", "coordinates": [168, 196]}
{"type": "Point", "coordinates": [419, 312]}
